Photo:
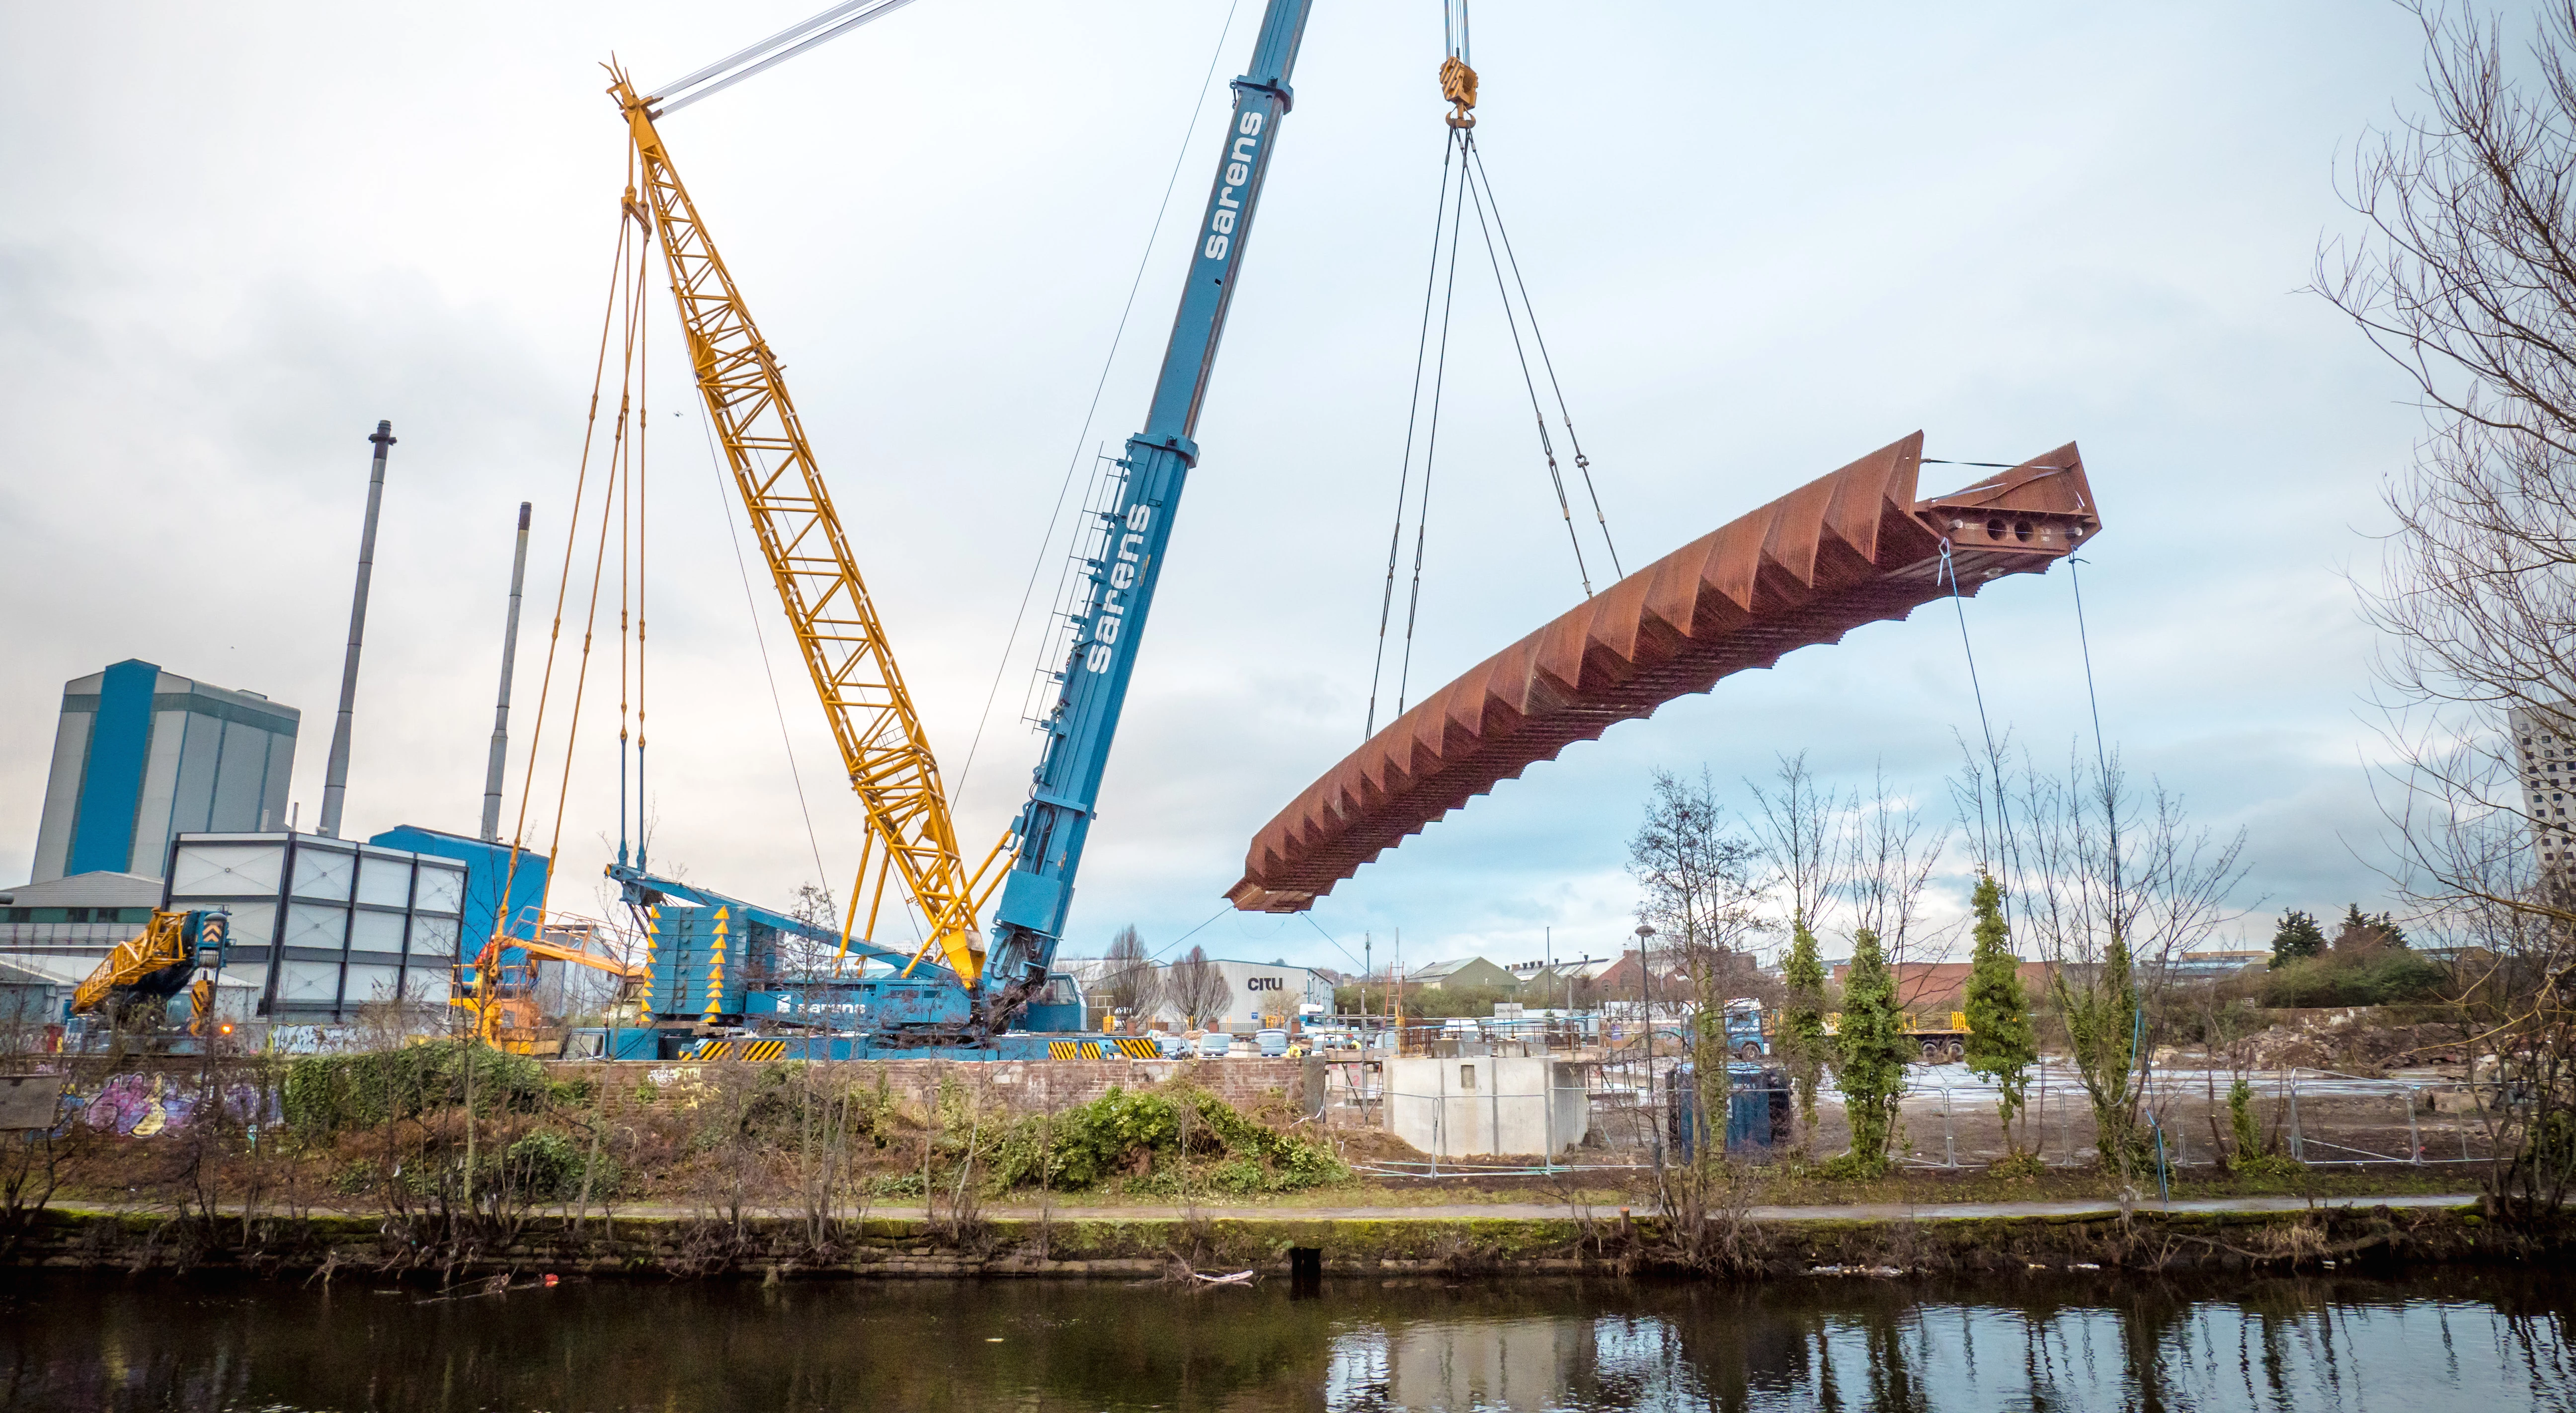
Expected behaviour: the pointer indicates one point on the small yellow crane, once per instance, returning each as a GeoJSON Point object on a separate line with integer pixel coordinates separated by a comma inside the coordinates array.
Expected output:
{"type": "Point", "coordinates": [177, 950]}
{"type": "Point", "coordinates": [498, 992]}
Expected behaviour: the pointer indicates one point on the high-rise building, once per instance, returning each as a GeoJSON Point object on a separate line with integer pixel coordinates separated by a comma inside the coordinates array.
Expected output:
{"type": "Point", "coordinates": [142, 755]}
{"type": "Point", "coordinates": [2546, 758]}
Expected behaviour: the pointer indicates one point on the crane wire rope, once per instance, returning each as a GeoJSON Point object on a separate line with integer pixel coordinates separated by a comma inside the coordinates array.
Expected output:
{"type": "Point", "coordinates": [1430, 448]}
{"type": "Point", "coordinates": [1582, 463]}
{"type": "Point", "coordinates": [643, 422]}
{"type": "Point", "coordinates": [618, 464]}
{"type": "Point", "coordinates": [759, 636]}
{"type": "Point", "coordinates": [674, 96]}
{"type": "Point", "coordinates": [563, 583]}
{"type": "Point", "coordinates": [1459, 144]}
{"type": "Point", "coordinates": [626, 531]}
{"type": "Point", "coordinates": [1413, 411]}
{"type": "Point", "coordinates": [1547, 446]}
{"type": "Point", "coordinates": [1073, 463]}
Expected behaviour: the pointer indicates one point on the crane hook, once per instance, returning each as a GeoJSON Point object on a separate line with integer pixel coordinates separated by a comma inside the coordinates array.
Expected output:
{"type": "Point", "coordinates": [1458, 85]}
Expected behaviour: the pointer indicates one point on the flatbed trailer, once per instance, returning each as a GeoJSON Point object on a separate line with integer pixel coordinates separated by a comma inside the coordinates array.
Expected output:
{"type": "Point", "coordinates": [1940, 1036]}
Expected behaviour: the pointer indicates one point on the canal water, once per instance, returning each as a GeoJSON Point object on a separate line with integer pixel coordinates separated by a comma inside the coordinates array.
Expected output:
{"type": "Point", "coordinates": [2477, 1340]}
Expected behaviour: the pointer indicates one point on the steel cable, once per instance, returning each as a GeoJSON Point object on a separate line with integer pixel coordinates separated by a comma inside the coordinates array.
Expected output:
{"type": "Point", "coordinates": [1046, 542]}
{"type": "Point", "coordinates": [1431, 451]}
{"type": "Point", "coordinates": [1582, 463]}
{"type": "Point", "coordinates": [1546, 445]}
{"type": "Point", "coordinates": [1413, 411]}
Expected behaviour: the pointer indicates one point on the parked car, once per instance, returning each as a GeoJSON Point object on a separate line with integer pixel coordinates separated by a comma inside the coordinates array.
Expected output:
{"type": "Point", "coordinates": [1214, 1044]}
{"type": "Point", "coordinates": [1170, 1046]}
{"type": "Point", "coordinates": [1273, 1043]}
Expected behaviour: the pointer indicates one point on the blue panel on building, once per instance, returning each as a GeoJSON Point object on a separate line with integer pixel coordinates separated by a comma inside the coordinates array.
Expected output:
{"type": "Point", "coordinates": [112, 783]}
{"type": "Point", "coordinates": [486, 867]}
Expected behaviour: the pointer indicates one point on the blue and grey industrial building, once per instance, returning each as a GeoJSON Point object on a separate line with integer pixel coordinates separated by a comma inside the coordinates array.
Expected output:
{"type": "Point", "coordinates": [142, 756]}
{"type": "Point", "coordinates": [166, 792]}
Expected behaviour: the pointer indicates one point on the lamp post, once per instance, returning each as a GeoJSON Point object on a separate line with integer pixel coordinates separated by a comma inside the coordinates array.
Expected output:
{"type": "Point", "coordinates": [1646, 1003]}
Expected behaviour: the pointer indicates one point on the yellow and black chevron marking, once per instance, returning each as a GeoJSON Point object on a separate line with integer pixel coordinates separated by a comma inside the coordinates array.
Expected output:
{"type": "Point", "coordinates": [758, 1050]}
{"type": "Point", "coordinates": [652, 938]}
{"type": "Point", "coordinates": [716, 963]}
{"type": "Point", "coordinates": [1134, 1047]}
{"type": "Point", "coordinates": [714, 1050]}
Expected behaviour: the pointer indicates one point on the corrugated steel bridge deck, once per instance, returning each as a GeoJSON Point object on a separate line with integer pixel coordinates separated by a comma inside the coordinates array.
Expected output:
{"type": "Point", "coordinates": [1850, 548]}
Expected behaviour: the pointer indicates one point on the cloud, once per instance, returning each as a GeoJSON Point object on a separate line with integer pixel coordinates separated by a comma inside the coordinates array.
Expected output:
{"type": "Point", "coordinates": [1761, 246]}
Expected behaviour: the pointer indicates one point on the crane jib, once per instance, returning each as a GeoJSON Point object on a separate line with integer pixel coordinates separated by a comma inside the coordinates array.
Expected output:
{"type": "Point", "coordinates": [1138, 524]}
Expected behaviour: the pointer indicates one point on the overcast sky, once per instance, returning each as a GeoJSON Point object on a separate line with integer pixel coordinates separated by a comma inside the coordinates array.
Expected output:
{"type": "Point", "coordinates": [1762, 244]}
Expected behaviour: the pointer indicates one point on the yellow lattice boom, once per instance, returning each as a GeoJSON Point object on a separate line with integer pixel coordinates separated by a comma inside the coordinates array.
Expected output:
{"type": "Point", "coordinates": [844, 644]}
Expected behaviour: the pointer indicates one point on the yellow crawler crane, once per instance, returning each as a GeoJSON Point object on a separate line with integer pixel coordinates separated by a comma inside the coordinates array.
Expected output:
{"type": "Point", "coordinates": [883, 746]}
{"type": "Point", "coordinates": [176, 949]}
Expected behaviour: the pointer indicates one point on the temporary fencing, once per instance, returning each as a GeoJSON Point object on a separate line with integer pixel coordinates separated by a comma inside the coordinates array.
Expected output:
{"type": "Point", "coordinates": [1948, 1119]}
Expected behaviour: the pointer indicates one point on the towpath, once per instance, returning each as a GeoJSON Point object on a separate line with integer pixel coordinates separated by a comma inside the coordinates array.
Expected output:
{"type": "Point", "coordinates": [1531, 1211]}
{"type": "Point", "coordinates": [1541, 1211]}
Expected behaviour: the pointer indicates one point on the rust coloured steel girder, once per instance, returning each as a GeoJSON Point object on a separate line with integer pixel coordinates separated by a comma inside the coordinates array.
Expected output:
{"type": "Point", "coordinates": [1851, 548]}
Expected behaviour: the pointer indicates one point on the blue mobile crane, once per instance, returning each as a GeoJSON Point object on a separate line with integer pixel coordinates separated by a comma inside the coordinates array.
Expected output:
{"type": "Point", "coordinates": [1053, 827]}
{"type": "Point", "coordinates": [711, 956]}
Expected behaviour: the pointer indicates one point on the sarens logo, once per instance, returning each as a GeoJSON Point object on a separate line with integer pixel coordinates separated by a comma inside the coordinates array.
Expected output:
{"type": "Point", "coordinates": [1112, 617]}
{"type": "Point", "coordinates": [1238, 174]}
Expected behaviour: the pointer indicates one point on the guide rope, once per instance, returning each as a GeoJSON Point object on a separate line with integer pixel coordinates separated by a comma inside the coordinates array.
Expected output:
{"type": "Point", "coordinates": [1986, 842]}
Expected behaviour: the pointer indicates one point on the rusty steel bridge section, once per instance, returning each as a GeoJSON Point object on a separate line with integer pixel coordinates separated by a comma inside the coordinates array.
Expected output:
{"type": "Point", "coordinates": [1850, 548]}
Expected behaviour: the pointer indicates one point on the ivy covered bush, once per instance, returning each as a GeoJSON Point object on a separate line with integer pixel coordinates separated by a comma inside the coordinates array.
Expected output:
{"type": "Point", "coordinates": [1156, 1139]}
{"type": "Point", "coordinates": [328, 1093]}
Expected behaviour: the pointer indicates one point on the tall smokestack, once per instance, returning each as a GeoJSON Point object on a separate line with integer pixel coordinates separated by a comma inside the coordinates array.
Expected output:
{"type": "Point", "coordinates": [501, 715]}
{"type": "Point", "coordinates": [335, 780]}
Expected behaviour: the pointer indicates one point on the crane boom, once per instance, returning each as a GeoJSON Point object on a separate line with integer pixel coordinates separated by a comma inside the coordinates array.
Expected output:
{"type": "Point", "coordinates": [1038, 890]}
{"type": "Point", "coordinates": [883, 746]}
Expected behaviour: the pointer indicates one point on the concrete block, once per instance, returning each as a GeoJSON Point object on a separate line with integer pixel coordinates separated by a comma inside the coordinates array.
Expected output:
{"type": "Point", "coordinates": [1478, 1106]}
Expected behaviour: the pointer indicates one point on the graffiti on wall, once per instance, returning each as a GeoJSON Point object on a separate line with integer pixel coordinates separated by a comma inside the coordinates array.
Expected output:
{"type": "Point", "coordinates": [140, 1105]}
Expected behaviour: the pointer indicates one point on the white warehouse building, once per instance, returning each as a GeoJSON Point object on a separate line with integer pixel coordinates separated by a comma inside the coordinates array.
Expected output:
{"type": "Point", "coordinates": [1261, 994]}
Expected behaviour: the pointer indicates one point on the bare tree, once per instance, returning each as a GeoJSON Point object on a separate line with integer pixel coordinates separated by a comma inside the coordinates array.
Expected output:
{"type": "Point", "coordinates": [2465, 277]}
{"type": "Point", "coordinates": [1695, 875]}
{"type": "Point", "coordinates": [798, 954]}
{"type": "Point", "coordinates": [1797, 835]}
{"type": "Point", "coordinates": [2112, 885]}
{"type": "Point", "coordinates": [1198, 988]}
{"type": "Point", "coordinates": [1128, 982]}
{"type": "Point", "coordinates": [1887, 865]}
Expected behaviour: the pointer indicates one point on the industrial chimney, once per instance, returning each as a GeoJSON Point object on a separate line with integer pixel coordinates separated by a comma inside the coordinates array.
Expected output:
{"type": "Point", "coordinates": [335, 780]}
{"type": "Point", "coordinates": [501, 715]}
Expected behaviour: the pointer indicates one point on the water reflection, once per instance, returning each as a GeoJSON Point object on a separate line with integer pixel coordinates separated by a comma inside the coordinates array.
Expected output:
{"type": "Point", "coordinates": [2476, 1340]}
